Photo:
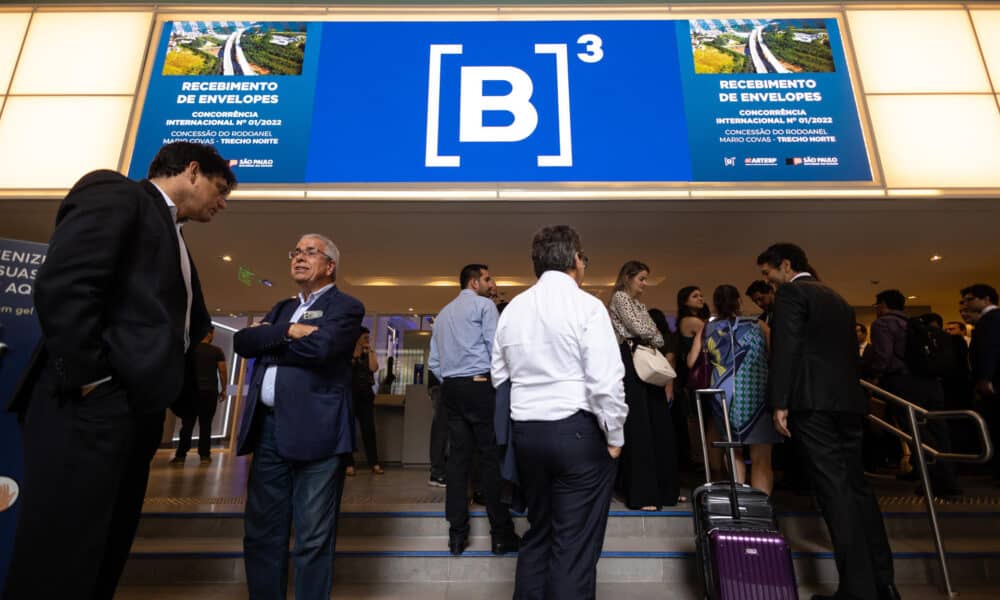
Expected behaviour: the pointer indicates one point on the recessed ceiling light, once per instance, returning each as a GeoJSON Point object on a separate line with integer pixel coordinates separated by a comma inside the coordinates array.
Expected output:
{"type": "Point", "coordinates": [911, 297]}
{"type": "Point", "coordinates": [218, 310]}
{"type": "Point", "coordinates": [936, 258]}
{"type": "Point", "coordinates": [410, 309]}
{"type": "Point", "coordinates": [227, 258]}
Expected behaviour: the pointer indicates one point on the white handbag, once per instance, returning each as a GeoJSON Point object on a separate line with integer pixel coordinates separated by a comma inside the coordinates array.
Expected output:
{"type": "Point", "coordinates": [651, 366]}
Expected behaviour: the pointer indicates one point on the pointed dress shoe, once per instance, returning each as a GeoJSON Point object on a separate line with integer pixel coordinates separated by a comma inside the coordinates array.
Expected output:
{"type": "Point", "coordinates": [506, 544]}
{"type": "Point", "coordinates": [457, 544]}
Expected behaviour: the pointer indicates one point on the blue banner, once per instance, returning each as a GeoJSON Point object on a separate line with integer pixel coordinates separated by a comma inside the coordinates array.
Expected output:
{"type": "Point", "coordinates": [19, 334]}
{"type": "Point", "coordinates": [566, 101]}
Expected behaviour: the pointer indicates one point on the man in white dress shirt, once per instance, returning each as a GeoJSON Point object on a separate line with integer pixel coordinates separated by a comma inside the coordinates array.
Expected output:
{"type": "Point", "coordinates": [555, 344]}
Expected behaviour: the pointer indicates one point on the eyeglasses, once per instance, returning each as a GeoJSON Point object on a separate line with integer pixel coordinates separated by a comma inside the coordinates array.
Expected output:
{"type": "Point", "coordinates": [307, 252]}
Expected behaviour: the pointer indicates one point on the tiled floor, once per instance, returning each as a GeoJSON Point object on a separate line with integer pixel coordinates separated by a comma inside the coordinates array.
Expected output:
{"type": "Point", "coordinates": [221, 485]}
{"type": "Point", "coordinates": [491, 591]}
{"type": "Point", "coordinates": [220, 488]}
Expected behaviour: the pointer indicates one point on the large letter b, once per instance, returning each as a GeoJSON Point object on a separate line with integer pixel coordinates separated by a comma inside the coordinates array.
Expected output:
{"type": "Point", "coordinates": [518, 103]}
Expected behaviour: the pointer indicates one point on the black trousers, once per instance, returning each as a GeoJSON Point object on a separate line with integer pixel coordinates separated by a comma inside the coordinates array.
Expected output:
{"type": "Point", "coordinates": [86, 465]}
{"type": "Point", "coordinates": [470, 405]}
{"type": "Point", "coordinates": [439, 434]}
{"type": "Point", "coordinates": [364, 412]}
{"type": "Point", "coordinates": [831, 443]}
{"type": "Point", "coordinates": [567, 477]}
{"type": "Point", "coordinates": [989, 408]}
{"type": "Point", "coordinates": [206, 402]}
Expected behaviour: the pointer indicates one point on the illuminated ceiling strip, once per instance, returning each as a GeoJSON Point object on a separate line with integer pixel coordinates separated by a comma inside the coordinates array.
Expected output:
{"type": "Point", "coordinates": [787, 193]}
{"type": "Point", "coordinates": [614, 194]}
{"type": "Point", "coordinates": [915, 192]}
{"type": "Point", "coordinates": [439, 281]}
{"type": "Point", "coordinates": [239, 194]}
{"type": "Point", "coordinates": [401, 194]}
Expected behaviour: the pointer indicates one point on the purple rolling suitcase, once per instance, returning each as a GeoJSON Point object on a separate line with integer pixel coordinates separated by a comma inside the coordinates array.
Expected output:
{"type": "Point", "coordinates": [741, 553]}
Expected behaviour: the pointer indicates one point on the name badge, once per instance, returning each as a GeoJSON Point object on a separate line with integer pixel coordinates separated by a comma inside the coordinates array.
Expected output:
{"type": "Point", "coordinates": [311, 314]}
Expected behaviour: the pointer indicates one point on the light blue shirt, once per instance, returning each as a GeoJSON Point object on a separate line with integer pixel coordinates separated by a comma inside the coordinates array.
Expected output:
{"type": "Point", "coordinates": [271, 374]}
{"type": "Point", "coordinates": [463, 337]}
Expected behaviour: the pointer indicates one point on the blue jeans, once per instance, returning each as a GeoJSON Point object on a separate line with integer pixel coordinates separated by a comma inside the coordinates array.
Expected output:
{"type": "Point", "coordinates": [281, 493]}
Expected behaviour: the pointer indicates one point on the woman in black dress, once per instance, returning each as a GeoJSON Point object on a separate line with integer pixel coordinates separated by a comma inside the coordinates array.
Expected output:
{"type": "Point", "coordinates": [363, 367]}
{"type": "Point", "coordinates": [692, 314]}
{"type": "Point", "coordinates": [647, 472]}
{"type": "Point", "coordinates": [679, 411]}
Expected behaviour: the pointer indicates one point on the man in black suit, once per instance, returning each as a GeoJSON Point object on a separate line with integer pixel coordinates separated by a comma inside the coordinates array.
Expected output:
{"type": "Point", "coordinates": [984, 356]}
{"type": "Point", "coordinates": [816, 398]}
{"type": "Point", "coordinates": [119, 302]}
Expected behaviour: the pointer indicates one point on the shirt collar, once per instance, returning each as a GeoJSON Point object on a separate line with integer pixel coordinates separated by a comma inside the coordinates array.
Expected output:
{"type": "Point", "coordinates": [170, 206]}
{"type": "Point", "coordinates": [558, 276]}
{"type": "Point", "coordinates": [313, 296]}
{"type": "Point", "coordinates": [802, 274]}
{"type": "Point", "coordinates": [988, 309]}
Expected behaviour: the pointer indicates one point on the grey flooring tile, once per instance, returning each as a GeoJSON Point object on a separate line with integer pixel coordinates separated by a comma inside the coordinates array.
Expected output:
{"type": "Point", "coordinates": [502, 591]}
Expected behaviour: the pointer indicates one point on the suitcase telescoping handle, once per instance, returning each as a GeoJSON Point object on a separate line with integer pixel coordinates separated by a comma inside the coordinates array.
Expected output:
{"type": "Point", "coordinates": [728, 445]}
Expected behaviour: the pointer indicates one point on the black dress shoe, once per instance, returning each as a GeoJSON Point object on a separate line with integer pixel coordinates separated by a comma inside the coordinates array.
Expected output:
{"type": "Point", "coordinates": [457, 544]}
{"type": "Point", "coordinates": [888, 592]}
{"type": "Point", "coordinates": [506, 544]}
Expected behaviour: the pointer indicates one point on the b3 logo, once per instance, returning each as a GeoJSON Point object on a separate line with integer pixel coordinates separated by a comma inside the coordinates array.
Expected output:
{"type": "Point", "coordinates": [473, 102]}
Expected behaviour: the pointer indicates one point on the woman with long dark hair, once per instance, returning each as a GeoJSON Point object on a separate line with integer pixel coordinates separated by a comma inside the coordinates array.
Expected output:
{"type": "Point", "coordinates": [648, 468]}
{"type": "Point", "coordinates": [737, 348]}
{"type": "Point", "coordinates": [363, 368]}
{"type": "Point", "coordinates": [692, 314]}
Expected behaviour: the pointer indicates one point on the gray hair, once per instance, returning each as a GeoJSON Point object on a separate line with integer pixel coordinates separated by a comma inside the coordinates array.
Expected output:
{"type": "Point", "coordinates": [554, 248]}
{"type": "Point", "coordinates": [331, 249]}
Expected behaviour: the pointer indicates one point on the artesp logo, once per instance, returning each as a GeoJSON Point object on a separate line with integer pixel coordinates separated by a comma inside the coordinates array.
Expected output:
{"type": "Point", "coordinates": [473, 102]}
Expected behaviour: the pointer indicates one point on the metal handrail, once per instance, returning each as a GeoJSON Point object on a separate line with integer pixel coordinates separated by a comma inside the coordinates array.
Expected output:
{"type": "Point", "coordinates": [928, 415]}
{"type": "Point", "coordinates": [914, 411]}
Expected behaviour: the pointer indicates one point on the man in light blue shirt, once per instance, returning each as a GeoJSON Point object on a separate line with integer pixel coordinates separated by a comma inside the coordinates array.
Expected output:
{"type": "Point", "coordinates": [460, 358]}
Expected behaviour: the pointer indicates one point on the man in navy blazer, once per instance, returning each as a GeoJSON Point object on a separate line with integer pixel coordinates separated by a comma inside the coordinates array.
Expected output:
{"type": "Point", "coordinates": [299, 426]}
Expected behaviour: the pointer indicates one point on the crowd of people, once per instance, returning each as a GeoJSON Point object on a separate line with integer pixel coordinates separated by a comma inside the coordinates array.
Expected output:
{"type": "Point", "coordinates": [546, 393]}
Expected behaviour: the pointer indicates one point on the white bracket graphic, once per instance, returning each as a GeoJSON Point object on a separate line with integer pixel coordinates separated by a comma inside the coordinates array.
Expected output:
{"type": "Point", "coordinates": [431, 156]}
{"type": "Point", "coordinates": [565, 156]}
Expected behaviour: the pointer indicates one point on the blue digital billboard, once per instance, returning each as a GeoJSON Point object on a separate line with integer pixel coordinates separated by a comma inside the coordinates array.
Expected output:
{"type": "Point", "coordinates": [556, 101]}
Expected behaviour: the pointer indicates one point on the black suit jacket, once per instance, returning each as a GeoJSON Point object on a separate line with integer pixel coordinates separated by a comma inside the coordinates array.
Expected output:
{"type": "Point", "coordinates": [984, 351]}
{"type": "Point", "coordinates": [814, 351]}
{"type": "Point", "coordinates": [111, 299]}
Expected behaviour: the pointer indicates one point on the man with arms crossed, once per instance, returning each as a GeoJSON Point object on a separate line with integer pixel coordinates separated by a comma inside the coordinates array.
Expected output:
{"type": "Point", "coordinates": [555, 344]}
{"type": "Point", "coordinates": [460, 359]}
{"type": "Point", "coordinates": [299, 426]}
{"type": "Point", "coordinates": [816, 398]}
{"type": "Point", "coordinates": [119, 302]}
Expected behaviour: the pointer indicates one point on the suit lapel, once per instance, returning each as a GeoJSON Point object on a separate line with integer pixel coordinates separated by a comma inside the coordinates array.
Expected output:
{"type": "Point", "coordinates": [160, 207]}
